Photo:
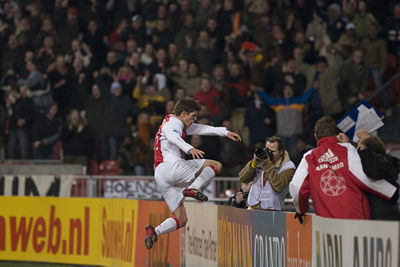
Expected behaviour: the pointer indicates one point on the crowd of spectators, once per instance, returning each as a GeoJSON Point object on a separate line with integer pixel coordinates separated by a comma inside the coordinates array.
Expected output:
{"type": "Point", "coordinates": [99, 75]}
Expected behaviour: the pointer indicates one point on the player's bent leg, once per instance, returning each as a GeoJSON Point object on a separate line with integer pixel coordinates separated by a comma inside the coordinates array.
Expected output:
{"type": "Point", "coordinates": [209, 169]}
{"type": "Point", "coordinates": [170, 224]}
{"type": "Point", "coordinates": [213, 164]}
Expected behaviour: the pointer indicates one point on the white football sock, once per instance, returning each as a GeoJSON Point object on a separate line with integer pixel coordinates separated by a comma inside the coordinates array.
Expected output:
{"type": "Point", "coordinates": [169, 225]}
{"type": "Point", "coordinates": [204, 177]}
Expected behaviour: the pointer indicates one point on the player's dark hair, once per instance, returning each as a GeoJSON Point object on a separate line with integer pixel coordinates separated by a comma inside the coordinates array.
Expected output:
{"type": "Point", "coordinates": [324, 127]}
{"type": "Point", "coordinates": [187, 104]}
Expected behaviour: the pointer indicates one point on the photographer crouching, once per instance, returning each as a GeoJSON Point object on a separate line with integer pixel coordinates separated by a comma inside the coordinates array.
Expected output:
{"type": "Point", "coordinates": [271, 171]}
{"type": "Point", "coordinates": [239, 200]}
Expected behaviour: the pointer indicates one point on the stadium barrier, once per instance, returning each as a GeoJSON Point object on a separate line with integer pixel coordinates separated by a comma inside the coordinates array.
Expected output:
{"type": "Point", "coordinates": [110, 232]}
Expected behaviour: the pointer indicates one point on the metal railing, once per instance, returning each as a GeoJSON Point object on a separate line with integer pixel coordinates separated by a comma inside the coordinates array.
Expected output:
{"type": "Point", "coordinates": [99, 186]}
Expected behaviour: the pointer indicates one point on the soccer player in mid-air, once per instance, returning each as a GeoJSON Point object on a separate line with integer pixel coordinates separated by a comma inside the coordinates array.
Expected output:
{"type": "Point", "coordinates": [176, 177]}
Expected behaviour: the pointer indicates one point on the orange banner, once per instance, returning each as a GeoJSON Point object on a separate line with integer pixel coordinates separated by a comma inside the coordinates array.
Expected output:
{"type": "Point", "coordinates": [166, 251]}
{"type": "Point", "coordinates": [298, 241]}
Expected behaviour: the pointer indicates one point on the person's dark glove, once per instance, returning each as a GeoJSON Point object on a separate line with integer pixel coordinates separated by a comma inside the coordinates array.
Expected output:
{"type": "Point", "coordinates": [395, 196]}
{"type": "Point", "coordinates": [299, 217]}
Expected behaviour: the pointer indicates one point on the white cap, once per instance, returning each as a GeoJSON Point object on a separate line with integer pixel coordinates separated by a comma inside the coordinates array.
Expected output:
{"type": "Point", "coordinates": [350, 26]}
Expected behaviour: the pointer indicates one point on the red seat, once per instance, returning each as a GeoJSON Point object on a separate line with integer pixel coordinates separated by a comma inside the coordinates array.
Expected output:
{"type": "Point", "coordinates": [109, 167]}
{"type": "Point", "coordinates": [57, 150]}
{"type": "Point", "coordinates": [93, 167]}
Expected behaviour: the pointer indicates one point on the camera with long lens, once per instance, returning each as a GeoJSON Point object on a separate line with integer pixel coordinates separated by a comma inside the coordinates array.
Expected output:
{"type": "Point", "coordinates": [263, 153]}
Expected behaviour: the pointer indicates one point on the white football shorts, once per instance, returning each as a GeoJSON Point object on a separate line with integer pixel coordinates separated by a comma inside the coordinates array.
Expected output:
{"type": "Point", "coordinates": [174, 176]}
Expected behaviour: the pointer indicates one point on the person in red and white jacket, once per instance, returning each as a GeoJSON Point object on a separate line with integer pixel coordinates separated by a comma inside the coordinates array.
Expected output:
{"type": "Point", "coordinates": [333, 175]}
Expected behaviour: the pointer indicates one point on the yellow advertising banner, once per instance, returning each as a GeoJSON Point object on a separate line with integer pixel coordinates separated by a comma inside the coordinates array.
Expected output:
{"type": "Point", "coordinates": [68, 230]}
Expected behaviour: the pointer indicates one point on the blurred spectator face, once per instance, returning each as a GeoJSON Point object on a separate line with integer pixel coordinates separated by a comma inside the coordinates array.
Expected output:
{"type": "Point", "coordinates": [234, 71]}
{"type": "Point", "coordinates": [30, 66]}
{"type": "Point", "coordinates": [357, 57]}
{"type": "Point", "coordinates": [189, 21]}
{"type": "Point", "coordinates": [228, 5]}
{"type": "Point", "coordinates": [131, 46]}
{"type": "Point", "coordinates": [74, 117]}
{"type": "Point", "coordinates": [321, 66]}
{"type": "Point", "coordinates": [72, 15]}
{"type": "Point", "coordinates": [52, 111]}
{"type": "Point", "coordinates": [373, 31]}
{"type": "Point", "coordinates": [169, 106]}
{"type": "Point", "coordinates": [48, 42]}
{"type": "Point", "coordinates": [7, 8]}
{"type": "Point", "coordinates": [143, 118]}
{"type": "Point", "coordinates": [111, 58]}
{"type": "Point", "coordinates": [173, 50]}
{"type": "Point", "coordinates": [12, 42]}
{"type": "Point", "coordinates": [246, 186]}
{"type": "Point", "coordinates": [117, 91]}
{"type": "Point", "coordinates": [193, 70]}
{"type": "Point", "coordinates": [92, 26]}
{"type": "Point", "coordinates": [299, 38]}
{"type": "Point", "coordinates": [205, 3]}
{"type": "Point", "coordinates": [277, 33]}
{"type": "Point", "coordinates": [29, 56]}
{"type": "Point", "coordinates": [24, 24]}
{"type": "Point", "coordinates": [203, 37]}
{"type": "Point", "coordinates": [300, 145]}
{"type": "Point", "coordinates": [290, 66]}
{"type": "Point", "coordinates": [182, 65]}
{"type": "Point", "coordinates": [287, 91]}
{"type": "Point", "coordinates": [332, 14]}
{"type": "Point", "coordinates": [75, 45]}
{"type": "Point", "coordinates": [212, 24]}
{"type": "Point", "coordinates": [47, 25]}
{"type": "Point", "coordinates": [60, 62]}
{"type": "Point", "coordinates": [162, 12]}
{"type": "Point", "coordinates": [219, 73]}
{"type": "Point", "coordinates": [137, 24]}
{"type": "Point", "coordinates": [205, 85]}
{"type": "Point", "coordinates": [161, 55]}
{"type": "Point", "coordinates": [196, 141]}
{"type": "Point", "coordinates": [148, 49]}
{"type": "Point", "coordinates": [185, 6]}
{"type": "Point", "coordinates": [265, 20]}
{"type": "Point", "coordinates": [362, 6]}
{"type": "Point", "coordinates": [78, 63]}
{"type": "Point", "coordinates": [161, 25]}
{"type": "Point", "coordinates": [150, 90]}
{"type": "Point", "coordinates": [96, 91]}
{"type": "Point", "coordinates": [396, 11]}
{"type": "Point", "coordinates": [180, 93]}
{"type": "Point", "coordinates": [125, 73]}
{"type": "Point", "coordinates": [135, 58]}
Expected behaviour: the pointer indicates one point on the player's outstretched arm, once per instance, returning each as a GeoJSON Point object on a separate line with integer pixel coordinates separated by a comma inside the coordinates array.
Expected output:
{"type": "Point", "coordinates": [196, 153]}
{"type": "Point", "coordinates": [234, 136]}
